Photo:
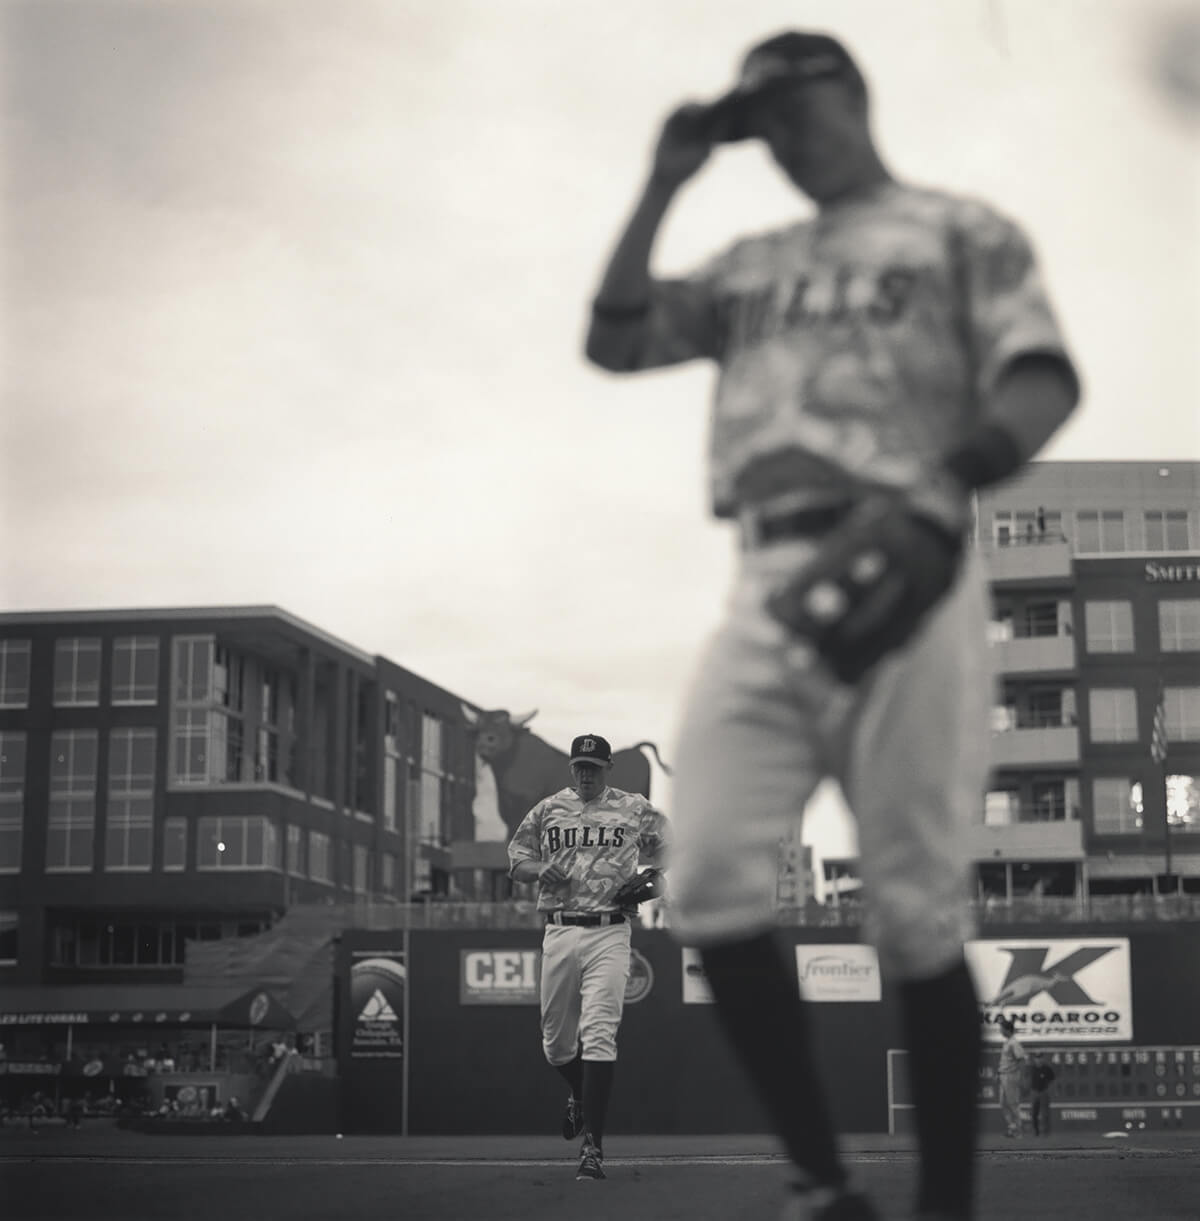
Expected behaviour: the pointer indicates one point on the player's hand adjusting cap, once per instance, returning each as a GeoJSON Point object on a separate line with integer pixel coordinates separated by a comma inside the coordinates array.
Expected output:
{"type": "Point", "coordinates": [591, 748]}
{"type": "Point", "coordinates": [780, 62]}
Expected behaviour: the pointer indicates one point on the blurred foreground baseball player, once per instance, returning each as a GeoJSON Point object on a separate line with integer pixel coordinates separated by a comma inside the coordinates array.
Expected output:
{"type": "Point", "coordinates": [876, 365]}
{"type": "Point", "coordinates": [582, 846]}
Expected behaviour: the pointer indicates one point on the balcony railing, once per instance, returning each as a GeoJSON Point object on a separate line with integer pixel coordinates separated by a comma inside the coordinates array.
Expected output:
{"type": "Point", "coordinates": [1042, 745]}
{"type": "Point", "coordinates": [1043, 559]}
{"type": "Point", "coordinates": [1061, 840]}
{"type": "Point", "coordinates": [1035, 654]}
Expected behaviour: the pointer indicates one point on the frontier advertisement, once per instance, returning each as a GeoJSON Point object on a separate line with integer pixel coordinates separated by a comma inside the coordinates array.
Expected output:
{"type": "Point", "coordinates": [1056, 989]}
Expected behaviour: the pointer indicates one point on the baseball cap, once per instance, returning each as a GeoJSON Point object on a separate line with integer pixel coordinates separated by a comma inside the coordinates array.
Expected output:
{"type": "Point", "coordinates": [591, 748]}
{"type": "Point", "coordinates": [785, 59]}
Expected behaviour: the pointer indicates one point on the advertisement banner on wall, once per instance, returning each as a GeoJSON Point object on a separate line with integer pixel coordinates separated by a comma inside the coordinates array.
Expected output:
{"type": "Point", "coordinates": [846, 972]}
{"type": "Point", "coordinates": [1055, 989]}
{"type": "Point", "coordinates": [378, 979]}
{"type": "Point", "coordinates": [514, 977]}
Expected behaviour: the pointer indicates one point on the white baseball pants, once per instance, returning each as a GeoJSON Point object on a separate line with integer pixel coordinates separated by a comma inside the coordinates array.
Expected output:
{"type": "Point", "coordinates": [584, 973]}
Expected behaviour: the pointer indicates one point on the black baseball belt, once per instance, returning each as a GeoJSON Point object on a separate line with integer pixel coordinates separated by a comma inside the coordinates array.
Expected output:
{"type": "Point", "coordinates": [761, 527]}
{"type": "Point", "coordinates": [585, 919]}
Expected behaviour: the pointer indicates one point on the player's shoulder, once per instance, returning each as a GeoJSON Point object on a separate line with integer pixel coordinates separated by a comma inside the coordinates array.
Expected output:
{"type": "Point", "coordinates": [756, 252]}
{"type": "Point", "coordinates": [630, 801]}
{"type": "Point", "coordinates": [938, 205]}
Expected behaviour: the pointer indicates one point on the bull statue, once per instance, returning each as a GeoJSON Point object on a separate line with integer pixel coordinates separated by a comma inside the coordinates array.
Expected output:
{"type": "Point", "coordinates": [515, 769]}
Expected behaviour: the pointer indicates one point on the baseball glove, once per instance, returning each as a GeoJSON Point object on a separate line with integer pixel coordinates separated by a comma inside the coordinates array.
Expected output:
{"type": "Point", "coordinates": [648, 884]}
{"type": "Point", "coordinates": [876, 576]}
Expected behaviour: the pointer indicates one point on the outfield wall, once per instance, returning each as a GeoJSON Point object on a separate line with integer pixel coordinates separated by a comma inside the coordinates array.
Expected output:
{"type": "Point", "coordinates": [437, 1031]}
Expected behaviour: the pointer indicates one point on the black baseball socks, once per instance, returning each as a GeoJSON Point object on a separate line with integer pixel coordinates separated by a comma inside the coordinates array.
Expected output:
{"type": "Point", "coordinates": [597, 1088]}
{"type": "Point", "coordinates": [572, 1072]}
{"type": "Point", "coordinates": [941, 1028]}
{"type": "Point", "coordinates": [758, 1004]}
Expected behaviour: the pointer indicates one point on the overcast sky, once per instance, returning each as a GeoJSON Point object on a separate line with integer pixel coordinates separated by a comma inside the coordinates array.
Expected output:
{"type": "Point", "coordinates": [294, 295]}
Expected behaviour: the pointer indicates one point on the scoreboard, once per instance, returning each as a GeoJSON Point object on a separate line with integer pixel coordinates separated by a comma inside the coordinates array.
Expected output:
{"type": "Point", "coordinates": [1101, 1089]}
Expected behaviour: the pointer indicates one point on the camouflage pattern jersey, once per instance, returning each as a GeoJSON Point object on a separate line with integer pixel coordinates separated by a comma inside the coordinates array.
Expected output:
{"type": "Point", "coordinates": [599, 844]}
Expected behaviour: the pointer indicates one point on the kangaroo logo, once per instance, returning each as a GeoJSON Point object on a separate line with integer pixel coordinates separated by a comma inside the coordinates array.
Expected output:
{"type": "Point", "coordinates": [1028, 975]}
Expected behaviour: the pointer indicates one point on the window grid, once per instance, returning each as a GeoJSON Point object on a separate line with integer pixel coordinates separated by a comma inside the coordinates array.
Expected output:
{"type": "Point", "coordinates": [135, 670]}
{"type": "Point", "coordinates": [1179, 625]}
{"type": "Point", "coordinates": [1108, 627]}
{"type": "Point", "coordinates": [1116, 806]}
{"type": "Point", "coordinates": [12, 799]}
{"type": "Point", "coordinates": [250, 842]}
{"type": "Point", "coordinates": [174, 845]}
{"type": "Point", "coordinates": [295, 851]}
{"type": "Point", "coordinates": [1112, 712]}
{"type": "Point", "coordinates": [70, 830]}
{"type": "Point", "coordinates": [319, 857]}
{"type": "Point", "coordinates": [129, 821]}
{"type": "Point", "coordinates": [14, 673]}
{"type": "Point", "coordinates": [1099, 530]}
{"type": "Point", "coordinates": [77, 672]}
{"type": "Point", "coordinates": [1182, 706]}
{"type": "Point", "coordinates": [1167, 530]}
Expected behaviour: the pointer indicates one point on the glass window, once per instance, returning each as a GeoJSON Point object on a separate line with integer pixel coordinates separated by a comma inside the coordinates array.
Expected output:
{"type": "Point", "coordinates": [1113, 714]}
{"type": "Point", "coordinates": [129, 833]}
{"type": "Point", "coordinates": [135, 670]}
{"type": "Point", "coordinates": [390, 767]}
{"type": "Point", "coordinates": [295, 851]}
{"type": "Point", "coordinates": [1182, 706]}
{"type": "Point", "coordinates": [12, 799]}
{"type": "Point", "coordinates": [387, 879]}
{"type": "Point", "coordinates": [8, 938]}
{"type": "Point", "coordinates": [193, 681]}
{"type": "Point", "coordinates": [1116, 806]}
{"type": "Point", "coordinates": [318, 857]}
{"type": "Point", "coordinates": [190, 756]}
{"type": "Point", "coordinates": [1001, 808]}
{"type": "Point", "coordinates": [1179, 625]}
{"type": "Point", "coordinates": [1109, 627]}
{"type": "Point", "coordinates": [72, 815]}
{"type": "Point", "coordinates": [1183, 802]}
{"type": "Point", "coordinates": [14, 673]}
{"type": "Point", "coordinates": [362, 860]}
{"type": "Point", "coordinates": [77, 671]}
{"type": "Point", "coordinates": [1049, 800]}
{"type": "Point", "coordinates": [174, 844]}
{"type": "Point", "coordinates": [1041, 619]}
{"type": "Point", "coordinates": [1099, 530]}
{"type": "Point", "coordinates": [236, 842]}
{"type": "Point", "coordinates": [431, 744]}
{"type": "Point", "coordinates": [1167, 530]}
{"type": "Point", "coordinates": [429, 824]}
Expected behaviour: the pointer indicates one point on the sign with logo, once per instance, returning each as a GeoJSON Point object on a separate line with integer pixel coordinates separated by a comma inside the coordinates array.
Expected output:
{"type": "Point", "coordinates": [377, 984]}
{"type": "Point", "coordinates": [499, 977]}
{"type": "Point", "coordinates": [838, 972]}
{"type": "Point", "coordinates": [1171, 572]}
{"type": "Point", "coordinates": [695, 984]}
{"type": "Point", "coordinates": [514, 977]}
{"type": "Point", "coordinates": [1055, 989]}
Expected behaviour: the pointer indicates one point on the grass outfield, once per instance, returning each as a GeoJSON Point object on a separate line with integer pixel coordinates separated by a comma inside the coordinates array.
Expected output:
{"type": "Point", "coordinates": [104, 1173]}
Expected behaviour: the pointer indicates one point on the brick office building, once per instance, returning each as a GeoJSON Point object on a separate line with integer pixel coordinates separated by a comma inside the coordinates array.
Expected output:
{"type": "Point", "coordinates": [1095, 574]}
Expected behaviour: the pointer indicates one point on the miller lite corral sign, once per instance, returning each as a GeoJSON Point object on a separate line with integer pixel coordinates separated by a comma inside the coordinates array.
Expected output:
{"type": "Point", "coordinates": [1055, 989]}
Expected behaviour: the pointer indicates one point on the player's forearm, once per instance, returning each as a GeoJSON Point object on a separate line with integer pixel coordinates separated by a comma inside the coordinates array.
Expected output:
{"type": "Point", "coordinates": [1032, 400]}
{"type": "Point", "coordinates": [623, 299]}
{"type": "Point", "coordinates": [526, 871]}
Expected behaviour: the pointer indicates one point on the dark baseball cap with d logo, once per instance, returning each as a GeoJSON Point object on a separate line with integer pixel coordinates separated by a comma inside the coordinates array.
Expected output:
{"type": "Point", "coordinates": [591, 748]}
{"type": "Point", "coordinates": [777, 64]}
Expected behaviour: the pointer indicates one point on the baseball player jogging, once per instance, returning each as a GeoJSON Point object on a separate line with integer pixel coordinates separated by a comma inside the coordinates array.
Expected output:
{"type": "Point", "coordinates": [582, 846]}
{"type": "Point", "coordinates": [876, 364]}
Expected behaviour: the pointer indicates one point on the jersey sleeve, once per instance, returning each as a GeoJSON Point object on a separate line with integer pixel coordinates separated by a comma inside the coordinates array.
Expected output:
{"type": "Point", "coordinates": [653, 833]}
{"type": "Point", "coordinates": [526, 843]}
{"type": "Point", "coordinates": [1007, 312]}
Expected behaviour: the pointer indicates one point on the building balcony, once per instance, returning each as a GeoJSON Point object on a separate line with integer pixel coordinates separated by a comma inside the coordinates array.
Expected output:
{"type": "Point", "coordinates": [1052, 746]}
{"type": "Point", "coordinates": [1044, 561]}
{"type": "Point", "coordinates": [1029, 841]}
{"type": "Point", "coordinates": [1035, 655]}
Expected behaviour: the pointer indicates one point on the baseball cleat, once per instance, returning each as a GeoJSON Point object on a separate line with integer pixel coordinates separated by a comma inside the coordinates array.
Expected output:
{"type": "Point", "coordinates": [572, 1124]}
{"type": "Point", "coordinates": [591, 1164]}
